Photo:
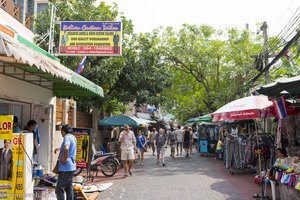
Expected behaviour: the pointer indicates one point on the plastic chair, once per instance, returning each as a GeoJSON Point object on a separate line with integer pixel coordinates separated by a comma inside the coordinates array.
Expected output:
{"type": "Point", "coordinates": [95, 152]}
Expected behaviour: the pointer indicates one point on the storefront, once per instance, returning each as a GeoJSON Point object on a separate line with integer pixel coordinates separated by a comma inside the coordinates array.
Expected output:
{"type": "Point", "coordinates": [285, 93]}
{"type": "Point", "coordinates": [30, 81]}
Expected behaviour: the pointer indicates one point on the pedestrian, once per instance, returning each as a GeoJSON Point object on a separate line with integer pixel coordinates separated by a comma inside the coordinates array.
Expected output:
{"type": "Point", "coordinates": [187, 140]}
{"type": "Point", "coordinates": [160, 142]}
{"type": "Point", "coordinates": [66, 164]}
{"type": "Point", "coordinates": [172, 141]}
{"type": "Point", "coordinates": [141, 146]}
{"type": "Point", "coordinates": [6, 162]}
{"type": "Point", "coordinates": [179, 138]}
{"type": "Point", "coordinates": [195, 139]}
{"type": "Point", "coordinates": [151, 140]}
{"type": "Point", "coordinates": [31, 128]}
{"type": "Point", "coordinates": [128, 147]}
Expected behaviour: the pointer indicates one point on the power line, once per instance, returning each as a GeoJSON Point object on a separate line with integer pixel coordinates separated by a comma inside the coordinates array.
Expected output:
{"type": "Point", "coordinates": [287, 46]}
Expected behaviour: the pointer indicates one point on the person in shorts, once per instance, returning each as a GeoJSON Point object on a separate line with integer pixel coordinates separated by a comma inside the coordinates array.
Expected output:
{"type": "Point", "coordinates": [128, 147]}
{"type": "Point", "coordinates": [179, 139]}
{"type": "Point", "coordinates": [160, 142]}
{"type": "Point", "coordinates": [172, 141]}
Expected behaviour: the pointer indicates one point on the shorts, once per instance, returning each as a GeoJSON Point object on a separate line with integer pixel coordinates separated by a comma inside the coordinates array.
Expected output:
{"type": "Point", "coordinates": [179, 144]}
{"type": "Point", "coordinates": [161, 150]}
{"type": "Point", "coordinates": [127, 154]}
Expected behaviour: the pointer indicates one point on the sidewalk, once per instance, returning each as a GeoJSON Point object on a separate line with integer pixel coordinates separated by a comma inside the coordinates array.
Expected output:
{"type": "Point", "coordinates": [183, 178]}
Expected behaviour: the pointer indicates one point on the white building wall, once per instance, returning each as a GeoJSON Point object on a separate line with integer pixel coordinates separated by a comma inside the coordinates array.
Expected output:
{"type": "Point", "coordinates": [39, 100]}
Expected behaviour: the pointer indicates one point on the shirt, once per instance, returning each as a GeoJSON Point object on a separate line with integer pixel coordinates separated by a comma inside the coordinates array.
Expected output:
{"type": "Point", "coordinates": [129, 138]}
{"type": "Point", "coordinates": [179, 134]}
{"type": "Point", "coordinates": [219, 145]}
{"type": "Point", "coordinates": [70, 165]}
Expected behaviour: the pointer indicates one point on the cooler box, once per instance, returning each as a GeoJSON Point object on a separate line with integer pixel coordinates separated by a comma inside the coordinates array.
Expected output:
{"type": "Point", "coordinates": [203, 146]}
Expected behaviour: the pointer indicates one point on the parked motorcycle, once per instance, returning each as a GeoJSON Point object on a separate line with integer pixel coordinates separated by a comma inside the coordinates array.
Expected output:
{"type": "Point", "coordinates": [106, 163]}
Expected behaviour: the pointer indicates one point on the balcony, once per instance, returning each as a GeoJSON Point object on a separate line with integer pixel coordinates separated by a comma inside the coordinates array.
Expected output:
{"type": "Point", "coordinates": [15, 11]}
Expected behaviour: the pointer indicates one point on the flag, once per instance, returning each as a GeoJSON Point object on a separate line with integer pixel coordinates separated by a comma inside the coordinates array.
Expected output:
{"type": "Point", "coordinates": [280, 107]}
{"type": "Point", "coordinates": [80, 67]}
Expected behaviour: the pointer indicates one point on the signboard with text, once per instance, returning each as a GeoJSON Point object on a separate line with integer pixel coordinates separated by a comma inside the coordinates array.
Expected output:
{"type": "Point", "coordinates": [83, 140]}
{"type": "Point", "coordinates": [90, 38]}
{"type": "Point", "coordinates": [11, 161]}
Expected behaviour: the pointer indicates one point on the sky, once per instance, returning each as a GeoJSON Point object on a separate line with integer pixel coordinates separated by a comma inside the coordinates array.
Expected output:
{"type": "Point", "coordinates": [150, 14]}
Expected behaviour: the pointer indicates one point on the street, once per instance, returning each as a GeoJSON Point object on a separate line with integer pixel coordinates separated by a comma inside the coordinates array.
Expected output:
{"type": "Point", "coordinates": [183, 178]}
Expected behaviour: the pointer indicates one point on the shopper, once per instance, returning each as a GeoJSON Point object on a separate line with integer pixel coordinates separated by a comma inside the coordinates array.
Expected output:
{"type": "Point", "coordinates": [141, 147]}
{"type": "Point", "coordinates": [172, 141]}
{"type": "Point", "coordinates": [128, 147]}
{"type": "Point", "coordinates": [160, 142]}
{"type": "Point", "coordinates": [66, 165]}
{"type": "Point", "coordinates": [187, 140]}
{"type": "Point", "coordinates": [179, 139]}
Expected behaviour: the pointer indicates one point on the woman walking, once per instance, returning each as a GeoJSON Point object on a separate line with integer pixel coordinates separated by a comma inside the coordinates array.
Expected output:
{"type": "Point", "coordinates": [141, 146]}
{"type": "Point", "coordinates": [187, 140]}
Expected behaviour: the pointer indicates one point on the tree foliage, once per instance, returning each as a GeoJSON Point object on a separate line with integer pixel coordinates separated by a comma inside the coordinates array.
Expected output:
{"type": "Point", "coordinates": [212, 66]}
{"type": "Point", "coordinates": [135, 76]}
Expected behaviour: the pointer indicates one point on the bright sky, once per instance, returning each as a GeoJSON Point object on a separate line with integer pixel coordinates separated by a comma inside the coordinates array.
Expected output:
{"type": "Point", "coordinates": [149, 14]}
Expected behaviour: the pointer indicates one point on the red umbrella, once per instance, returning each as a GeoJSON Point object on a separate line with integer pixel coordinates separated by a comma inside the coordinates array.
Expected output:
{"type": "Point", "coordinates": [251, 107]}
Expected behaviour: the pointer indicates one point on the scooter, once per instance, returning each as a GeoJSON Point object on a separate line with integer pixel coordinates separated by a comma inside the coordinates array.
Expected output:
{"type": "Point", "coordinates": [106, 163]}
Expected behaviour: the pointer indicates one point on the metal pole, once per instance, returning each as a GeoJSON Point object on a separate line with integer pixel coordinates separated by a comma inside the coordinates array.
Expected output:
{"type": "Point", "coordinates": [51, 31]}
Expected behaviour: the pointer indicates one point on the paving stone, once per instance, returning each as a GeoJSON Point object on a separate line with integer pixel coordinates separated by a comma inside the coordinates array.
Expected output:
{"type": "Point", "coordinates": [193, 178]}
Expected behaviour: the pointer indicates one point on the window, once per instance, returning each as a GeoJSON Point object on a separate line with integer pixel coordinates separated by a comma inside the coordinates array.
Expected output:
{"type": "Point", "coordinates": [41, 7]}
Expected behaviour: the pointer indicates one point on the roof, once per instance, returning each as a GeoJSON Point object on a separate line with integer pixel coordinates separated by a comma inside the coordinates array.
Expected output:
{"type": "Point", "coordinates": [27, 62]}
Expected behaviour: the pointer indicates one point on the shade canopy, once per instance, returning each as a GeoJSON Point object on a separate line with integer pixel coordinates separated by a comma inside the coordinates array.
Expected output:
{"type": "Point", "coordinates": [245, 108]}
{"type": "Point", "coordinates": [204, 118]}
{"type": "Point", "coordinates": [282, 86]}
{"type": "Point", "coordinates": [25, 61]}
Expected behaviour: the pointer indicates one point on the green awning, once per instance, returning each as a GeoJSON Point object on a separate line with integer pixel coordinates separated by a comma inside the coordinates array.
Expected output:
{"type": "Point", "coordinates": [204, 118]}
{"type": "Point", "coordinates": [25, 63]}
{"type": "Point", "coordinates": [282, 86]}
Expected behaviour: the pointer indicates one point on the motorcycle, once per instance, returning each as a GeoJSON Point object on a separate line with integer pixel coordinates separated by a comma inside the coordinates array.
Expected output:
{"type": "Point", "coordinates": [106, 163]}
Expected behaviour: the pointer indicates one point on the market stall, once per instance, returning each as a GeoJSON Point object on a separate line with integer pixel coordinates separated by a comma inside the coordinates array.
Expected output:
{"type": "Point", "coordinates": [285, 93]}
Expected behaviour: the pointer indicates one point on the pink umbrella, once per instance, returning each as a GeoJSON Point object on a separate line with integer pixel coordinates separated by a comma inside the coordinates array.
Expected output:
{"type": "Point", "coordinates": [245, 108]}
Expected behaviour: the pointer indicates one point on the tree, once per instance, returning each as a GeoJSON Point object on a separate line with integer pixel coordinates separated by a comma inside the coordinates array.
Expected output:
{"type": "Point", "coordinates": [136, 76]}
{"type": "Point", "coordinates": [215, 65]}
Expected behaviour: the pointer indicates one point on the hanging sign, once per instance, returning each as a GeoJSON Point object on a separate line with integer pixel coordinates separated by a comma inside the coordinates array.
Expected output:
{"type": "Point", "coordinates": [83, 145]}
{"type": "Point", "coordinates": [90, 38]}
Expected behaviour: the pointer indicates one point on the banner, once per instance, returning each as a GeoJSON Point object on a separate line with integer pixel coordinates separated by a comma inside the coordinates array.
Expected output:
{"type": "Point", "coordinates": [11, 161]}
{"type": "Point", "coordinates": [90, 38]}
{"type": "Point", "coordinates": [83, 145]}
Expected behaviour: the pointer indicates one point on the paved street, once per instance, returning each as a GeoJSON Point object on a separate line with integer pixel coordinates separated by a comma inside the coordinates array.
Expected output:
{"type": "Point", "coordinates": [193, 178]}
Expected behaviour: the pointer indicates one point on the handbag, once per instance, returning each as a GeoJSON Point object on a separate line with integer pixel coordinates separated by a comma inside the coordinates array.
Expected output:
{"type": "Point", "coordinates": [55, 169]}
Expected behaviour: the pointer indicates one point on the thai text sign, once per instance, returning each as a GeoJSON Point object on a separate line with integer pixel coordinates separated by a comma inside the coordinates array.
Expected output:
{"type": "Point", "coordinates": [90, 38]}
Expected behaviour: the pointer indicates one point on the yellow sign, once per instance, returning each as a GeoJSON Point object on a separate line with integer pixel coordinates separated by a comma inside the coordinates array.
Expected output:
{"type": "Point", "coordinates": [90, 38]}
{"type": "Point", "coordinates": [6, 126]}
{"type": "Point", "coordinates": [11, 161]}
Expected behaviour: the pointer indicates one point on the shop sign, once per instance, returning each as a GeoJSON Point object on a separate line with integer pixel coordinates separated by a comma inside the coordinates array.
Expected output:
{"type": "Point", "coordinates": [83, 145]}
{"type": "Point", "coordinates": [12, 172]}
{"type": "Point", "coordinates": [6, 126]}
{"type": "Point", "coordinates": [90, 38]}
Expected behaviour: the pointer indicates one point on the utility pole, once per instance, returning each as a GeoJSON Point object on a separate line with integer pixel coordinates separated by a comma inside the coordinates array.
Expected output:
{"type": "Point", "coordinates": [264, 28]}
{"type": "Point", "coordinates": [51, 31]}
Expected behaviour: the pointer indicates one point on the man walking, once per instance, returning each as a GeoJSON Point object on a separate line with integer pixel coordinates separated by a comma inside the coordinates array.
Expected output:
{"type": "Point", "coordinates": [128, 146]}
{"type": "Point", "coordinates": [161, 145]}
{"type": "Point", "coordinates": [66, 165]}
{"type": "Point", "coordinates": [179, 138]}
